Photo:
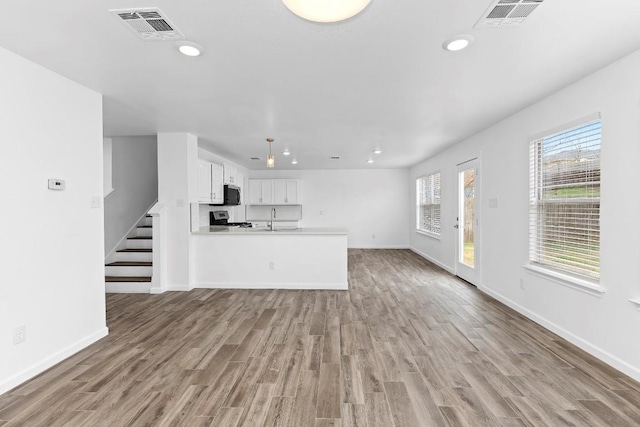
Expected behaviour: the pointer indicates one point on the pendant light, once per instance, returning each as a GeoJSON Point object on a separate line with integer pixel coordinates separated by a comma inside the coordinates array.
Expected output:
{"type": "Point", "coordinates": [271, 161]}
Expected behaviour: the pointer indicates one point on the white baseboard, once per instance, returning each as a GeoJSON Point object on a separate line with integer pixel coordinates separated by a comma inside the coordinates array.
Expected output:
{"type": "Point", "coordinates": [170, 288]}
{"type": "Point", "coordinates": [606, 357]}
{"type": "Point", "coordinates": [52, 360]}
{"type": "Point", "coordinates": [378, 247]}
{"type": "Point", "coordinates": [307, 286]}
{"type": "Point", "coordinates": [123, 242]}
{"type": "Point", "coordinates": [435, 261]}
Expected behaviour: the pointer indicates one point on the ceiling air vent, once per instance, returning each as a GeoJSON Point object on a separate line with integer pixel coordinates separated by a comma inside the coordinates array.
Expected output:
{"type": "Point", "coordinates": [148, 23]}
{"type": "Point", "coordinates": [507, 13]}
{"type": "Point", "coordinates": [255, 158]}
{"type": "Point", "coordinates": [335, 157]}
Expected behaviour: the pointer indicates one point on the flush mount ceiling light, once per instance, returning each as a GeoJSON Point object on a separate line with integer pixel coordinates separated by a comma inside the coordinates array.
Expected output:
{"type": "Point", "coordinates": [189, 48]}
{"type": "Point", "coordinates": [377, 151]}
{"type": "Point", "coordinates": [458, 42]}
{"type": "Point", "coordinates": [294, 162]}
{"type": "Point", "coordinates": [286, 152]}
{"type": "Point", "coordinates": [271, 161]}
{"type": "Point", "coordinates": [326, 10]}
{"type": "Point", "coordinates": [370, 161]}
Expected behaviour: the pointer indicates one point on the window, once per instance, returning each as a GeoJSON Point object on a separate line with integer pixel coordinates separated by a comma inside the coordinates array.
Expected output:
{"type": "Point", "coordinates": [565, 201]}
{"type": "Point", "coordinates": [428, 204]}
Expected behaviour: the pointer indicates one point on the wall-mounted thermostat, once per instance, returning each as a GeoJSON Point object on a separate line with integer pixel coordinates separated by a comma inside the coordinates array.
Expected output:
{"type": "Point", "coordinates": [56, 184]}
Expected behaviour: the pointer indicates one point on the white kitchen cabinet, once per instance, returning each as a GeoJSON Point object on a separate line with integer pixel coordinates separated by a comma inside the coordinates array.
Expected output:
{"type": "Point", "coordinates": [260, 191]}
{"type": "Point", "coordinates": [210, 182]}
{"type": "Point", "coordinates": [285, 192]}
{"type": "Point", "coordinates": [273, 191]}
{"type": "Point", "coordinates": [231, 175]}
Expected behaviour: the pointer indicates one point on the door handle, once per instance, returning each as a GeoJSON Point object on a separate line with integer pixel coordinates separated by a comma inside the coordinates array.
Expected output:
{"type": "Point", "coordinates": [456, 226]}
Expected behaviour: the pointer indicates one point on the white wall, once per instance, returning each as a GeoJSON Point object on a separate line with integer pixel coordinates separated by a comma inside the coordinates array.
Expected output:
{"type": "Point", "coordinates": [177, 187]}
{"type": "Point", "coordinates": [107, 170]}
{"type": "Point", "coordinates": [606, 326]}
{"type": "Point", "coordinates": [367, 202]}
{"type": "Point", "coordinates": [135, 184]}
{"type": "Point", "coordinates": [52, 241]}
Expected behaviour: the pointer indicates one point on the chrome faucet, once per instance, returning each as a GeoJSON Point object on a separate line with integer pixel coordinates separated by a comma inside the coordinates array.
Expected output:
{"type": "Point", "coordinates": [273, 215]}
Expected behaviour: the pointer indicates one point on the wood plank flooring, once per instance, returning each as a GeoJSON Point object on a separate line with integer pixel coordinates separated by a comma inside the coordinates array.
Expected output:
{"type": "Point", "coordinates": [407, 345]}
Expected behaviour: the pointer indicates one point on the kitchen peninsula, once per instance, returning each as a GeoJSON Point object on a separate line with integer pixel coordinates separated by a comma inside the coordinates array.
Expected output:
{"type": "Point", "coordinates": [258, 258]}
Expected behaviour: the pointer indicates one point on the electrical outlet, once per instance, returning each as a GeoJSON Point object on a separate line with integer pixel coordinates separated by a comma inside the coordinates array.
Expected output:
{"type": "Point", "coordinates": [96, 202]}
{"type": "Point", "coordinates": [321, 213]}
{"type": "Point", "coordinates": [272, 265]}
{"type": "Point", "coordinates": [19, 335]}
{"type": "Point", "coordinates": [373, 236]}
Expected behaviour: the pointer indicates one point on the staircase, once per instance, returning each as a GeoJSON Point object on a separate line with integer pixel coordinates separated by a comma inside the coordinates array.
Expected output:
{"type": "Point", "coordinates": [132, 269]}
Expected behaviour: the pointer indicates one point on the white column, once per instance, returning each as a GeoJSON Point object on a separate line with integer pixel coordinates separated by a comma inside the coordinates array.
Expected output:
{"type": "Point", "coordinates": [177, 187]}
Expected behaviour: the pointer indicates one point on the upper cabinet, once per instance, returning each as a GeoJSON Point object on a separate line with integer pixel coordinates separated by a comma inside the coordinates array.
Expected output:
{"type": "Point", "coordinates": [285, 192]}
{"type": "Point", "coordinates": [231, 175]}
{"type": "Point", "coordinates": [210, 182]}
{"type": "Point", "coordinates": [260, 191]}
{"type": "Point", "coordinates": [273, 192]}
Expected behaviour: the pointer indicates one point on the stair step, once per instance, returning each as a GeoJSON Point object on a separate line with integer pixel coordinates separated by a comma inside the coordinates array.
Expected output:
{"type": "Point", "coordinates": [127, 287]}
{"type": "Point", "coordinates": [129, 268]}
{"type": "Point", "coordinates": [133, 255]}
{"type": "Point", "coordinates": [140, 238]}
{"type": "Point", "coordinates": [127, 279]}
{"type": "Point", "coordinates": [144, 232]}
{"type": "Point", "coordinates": [139, 244]}
{"type": "Point", "coordinates": [130, 263]}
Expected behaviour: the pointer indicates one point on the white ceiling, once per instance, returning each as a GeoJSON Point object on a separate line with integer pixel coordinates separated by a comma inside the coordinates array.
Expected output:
{"type": "Point", "coordinates": [380, 79]}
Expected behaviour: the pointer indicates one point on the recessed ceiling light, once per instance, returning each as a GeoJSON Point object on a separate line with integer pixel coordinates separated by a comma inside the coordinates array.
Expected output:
{"type": "Point", "coordinates": [294, 162]}
{"type": "Point", "coordinates": [458, 42]}
{"type": "Point", "coordinates": [326, 10]}
{"type": "Point", "coordinates": [370, 161]}
{"type": "Point", "coordinates": [286, 152]}
{"type": "Point", "coordinates": [377, 151]}
{"type": "Point", "coordinates": [189, 48]}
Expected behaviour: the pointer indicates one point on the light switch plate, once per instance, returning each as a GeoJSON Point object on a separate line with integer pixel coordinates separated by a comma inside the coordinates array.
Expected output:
{"type": "Point", "coordinates": [493, 202]}
{"type": "Point", "coordinates": [56, 184]}
{"type": "Point", "coordinates": [96, 202]}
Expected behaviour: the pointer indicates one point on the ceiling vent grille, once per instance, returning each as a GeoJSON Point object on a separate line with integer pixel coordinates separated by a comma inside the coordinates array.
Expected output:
{"type": "Point", "coordinates": [507, 13]}
{"type": "Point", "coordinates": [149, 23]}
{"type": "Point", "coordinates": [334, 157]}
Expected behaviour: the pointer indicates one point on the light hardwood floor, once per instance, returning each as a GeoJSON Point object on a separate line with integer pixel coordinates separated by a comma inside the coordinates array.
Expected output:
{"type": "Point", "coordinates": [407, 345]}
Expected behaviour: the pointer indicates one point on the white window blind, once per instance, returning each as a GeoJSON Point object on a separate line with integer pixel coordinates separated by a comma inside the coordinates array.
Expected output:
{"type": "Point", "coordinates": [564, 226]}
{"type": "Point", "coordinates": [428, 203]}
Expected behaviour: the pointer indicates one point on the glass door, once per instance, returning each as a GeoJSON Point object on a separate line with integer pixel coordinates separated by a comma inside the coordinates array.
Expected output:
{"type": "Point", "coordinates": [467, 223]}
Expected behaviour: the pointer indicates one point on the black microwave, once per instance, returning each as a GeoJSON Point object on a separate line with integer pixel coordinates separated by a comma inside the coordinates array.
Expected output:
{"type": "Point", "coordinates": [231, 195]}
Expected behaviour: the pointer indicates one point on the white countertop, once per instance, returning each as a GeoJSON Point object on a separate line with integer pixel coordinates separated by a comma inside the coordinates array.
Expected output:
{"type": "Point", "coordinates": [261, 231]}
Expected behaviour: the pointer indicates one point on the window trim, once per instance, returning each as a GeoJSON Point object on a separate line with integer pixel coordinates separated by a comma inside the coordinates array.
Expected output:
{"type": "Point", "coordinates": [437, 236]}
{"type": "Point", "coordinates": [566, 279]}
{"type": "Point", "coordinates": [579, 283]}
